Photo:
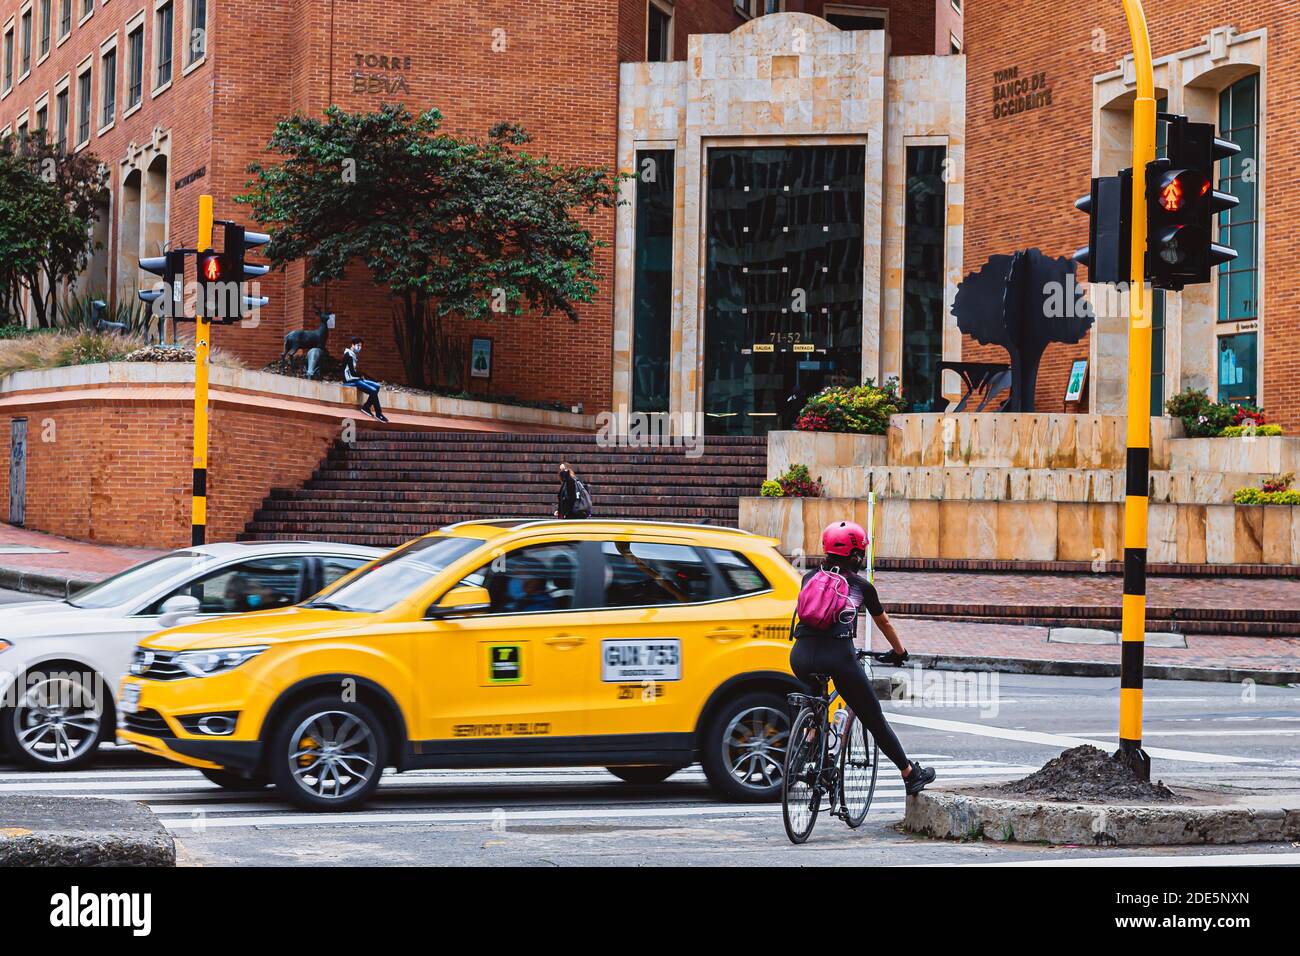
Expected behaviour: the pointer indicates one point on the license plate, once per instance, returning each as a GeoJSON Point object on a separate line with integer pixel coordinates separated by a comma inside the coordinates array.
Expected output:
{"type": "Point", "coordinates": [130, 699]}
{"type": "Point", "coordinates": [654, 658]}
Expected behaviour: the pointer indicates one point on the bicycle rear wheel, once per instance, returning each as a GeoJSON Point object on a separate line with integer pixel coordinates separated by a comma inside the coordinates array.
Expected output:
{"type": "Point", "coordinates": [801, 794]}
{"type": "Point", "coordinates": [859, 761]}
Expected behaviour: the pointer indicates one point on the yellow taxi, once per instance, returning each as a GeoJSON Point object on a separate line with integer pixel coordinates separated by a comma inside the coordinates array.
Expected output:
{"type": "Point", "coordinates": [638, 646]}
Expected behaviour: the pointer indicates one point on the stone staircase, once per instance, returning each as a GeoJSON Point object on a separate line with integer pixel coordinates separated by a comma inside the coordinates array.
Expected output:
{"type": "Point", "coordinates": [391, 486]}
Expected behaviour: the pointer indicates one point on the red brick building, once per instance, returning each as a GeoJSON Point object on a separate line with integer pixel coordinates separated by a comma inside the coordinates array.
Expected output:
{"type": "Point", "coordinates": [1231, 64]}
{"type": "Point", "coordinates": [176, 97]}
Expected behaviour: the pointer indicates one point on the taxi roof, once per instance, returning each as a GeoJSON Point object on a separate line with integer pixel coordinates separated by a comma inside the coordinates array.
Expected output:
{"type": "Point", "coordinates": [495, 527]}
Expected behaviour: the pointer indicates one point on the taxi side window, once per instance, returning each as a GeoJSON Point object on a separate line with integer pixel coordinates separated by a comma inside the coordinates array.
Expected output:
{"type": "Point", "coordinates": [247, 586]}
{"type": "Point", "coordinates": [642, 573]}
{"type": "Point", "coordinates": [739, 576]}
{"type": "Point", "coordinates": [540, 577]}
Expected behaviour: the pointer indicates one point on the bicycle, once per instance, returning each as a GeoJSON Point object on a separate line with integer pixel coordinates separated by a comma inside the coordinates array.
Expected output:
{"type": "Point", "coordinates": [845, 768]}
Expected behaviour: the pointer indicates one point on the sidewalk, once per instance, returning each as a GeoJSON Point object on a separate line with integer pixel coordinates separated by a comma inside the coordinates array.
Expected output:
{"type": "Point", "coordinates": [48, 564]}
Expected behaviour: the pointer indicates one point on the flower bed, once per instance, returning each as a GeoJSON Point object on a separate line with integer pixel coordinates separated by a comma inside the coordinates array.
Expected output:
{"type": "Point", "coordinates": [859, 409]}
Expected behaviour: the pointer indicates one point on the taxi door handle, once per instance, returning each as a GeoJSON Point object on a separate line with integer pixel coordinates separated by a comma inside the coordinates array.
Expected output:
{"type": "Point", "coordinates": [722, 635]}
{"type": "Point", "coordinates": [564, 642]}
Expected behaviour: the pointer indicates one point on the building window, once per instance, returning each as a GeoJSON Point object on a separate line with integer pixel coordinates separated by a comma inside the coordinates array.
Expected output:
{"type": "Point", "coordinates": [46, 25]}
{"type": "Point", "coordinates": [42, 120]}
{"type": "Point", "coordinates": [22, 131]}
{"type": "Point", "coordinates": [87, 8]}
{"type": "Point", "coordinates": [9, 59]}
{"type": "Point", "coordinates": [954, 45]}
{"type": "Point", "coordinates": [956, 5]}
{"type": "Point", "coordinates": [1237, 364]}
{"type": "Point", "coordinates": [108, 83]}
{"type": "Point", "coordinates": [758, 8]}
{"type": "Point", "coordinates": [84, 111]}
{"type": "Point", "coordinates": [197, 31]}
{"type": "Point", "coordinates": [163, 37]}
{"type": "Point", "coordinates": [925, 219]}
{"type": "Point", "coordinates": [856, 18]}
{"type": "Point", "coordinates": [61, 118]}
{"type": "Point", "coordinates": [652, 282]}
{"type": "Point", "coordinates": [659, 31]}
{"type": "Point", "coordinates": [135, 64]}
{"type": "Point", "coordinates": [65, 18]}
{"type": "Point", "coordinates": [27, 44]}
{"type": "Point", "coordinates": [1239, 122]}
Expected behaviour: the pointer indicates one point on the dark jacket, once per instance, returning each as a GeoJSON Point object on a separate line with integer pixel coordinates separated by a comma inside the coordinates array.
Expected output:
{"type": "Point", "coordinates": [567, 496]}
{"type": "Point", "coordinates": [862, 594]}
{"type": "Point", "coordinates": [350, 372]}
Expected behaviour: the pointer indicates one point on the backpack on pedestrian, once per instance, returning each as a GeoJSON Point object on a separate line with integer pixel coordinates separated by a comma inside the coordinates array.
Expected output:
{"type": "Point", "coordinates": [581, 500]}
{"type": "Point", "coordinates": [822, 599]}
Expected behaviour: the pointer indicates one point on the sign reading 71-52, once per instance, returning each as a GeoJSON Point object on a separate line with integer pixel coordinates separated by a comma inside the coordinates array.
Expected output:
{"type": "Point", "coordinates": [650, 658]}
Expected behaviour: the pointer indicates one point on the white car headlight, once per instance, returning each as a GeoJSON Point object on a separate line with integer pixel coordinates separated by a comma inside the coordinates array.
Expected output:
{"type": "Point", "coordinates": [207, 663]}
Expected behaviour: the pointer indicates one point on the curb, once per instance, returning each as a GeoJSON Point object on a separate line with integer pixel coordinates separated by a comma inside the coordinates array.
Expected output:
{"type": "Point", "coordinates": [957, 816]}
{"type": "Point", "coordinates": [38, 582]}
{"type": "Point", "coordinates": [81, 831]}
{"type": "Point", "coordinates": [1029, 665]}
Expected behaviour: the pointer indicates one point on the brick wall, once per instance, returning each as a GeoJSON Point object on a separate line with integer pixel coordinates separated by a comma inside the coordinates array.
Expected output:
{"type": "Point", "coordinates": [1025, 172]}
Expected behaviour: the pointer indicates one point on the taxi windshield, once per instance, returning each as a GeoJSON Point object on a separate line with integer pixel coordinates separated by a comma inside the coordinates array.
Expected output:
{"type": "Point", "coordinates": [395, 576]}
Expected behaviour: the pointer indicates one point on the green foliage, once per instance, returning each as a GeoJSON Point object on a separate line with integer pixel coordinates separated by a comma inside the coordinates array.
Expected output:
{"type": "Point", "coordinates": [771, 489]}
{"type": "Point", "coordinates": [1202, 416]}
{"type": "Point", "coordinates": [796, 482]}
{"type": "Point", "coordinates": [48, 205]}
{"type": "Point", "coordinates": [1261, 431]}
{"type": "Point", "coordinates": [449, 225]}
{"type": "Point", "coordinates": [861, 409]}
{"type": "Point", "coordinates": [60, 348]}
{"type": "Point", "coordinates": [76, 312]}
{"type": "Point", "coordinates": [1257, 496]}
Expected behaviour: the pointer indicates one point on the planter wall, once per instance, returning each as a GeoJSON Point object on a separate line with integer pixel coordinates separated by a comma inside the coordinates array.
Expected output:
{"type": "Point", "coordinates": [822, 450]}
{"type": "Point", "coordinates": [1270, 455]}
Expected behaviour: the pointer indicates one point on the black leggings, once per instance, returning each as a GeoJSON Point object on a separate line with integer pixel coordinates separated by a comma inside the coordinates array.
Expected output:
{"type": "Point", "coordinates": [835, 658]}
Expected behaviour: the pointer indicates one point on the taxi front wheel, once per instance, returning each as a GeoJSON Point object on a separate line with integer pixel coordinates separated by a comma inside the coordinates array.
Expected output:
{"type": "Point", "coordinates": [328, 755]}
{"type": "Point", "coordinates": [744, 745]}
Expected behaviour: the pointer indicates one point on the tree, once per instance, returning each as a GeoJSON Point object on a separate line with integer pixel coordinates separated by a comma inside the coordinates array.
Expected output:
{"type": "Point", "coordinates": [48, 206]}
{"type": "Point", "coordinates": [449, 225]}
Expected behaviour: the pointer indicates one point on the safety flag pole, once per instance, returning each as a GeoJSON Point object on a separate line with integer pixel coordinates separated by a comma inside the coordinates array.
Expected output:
{"type": "Point", "coordinates": [1139, 410]}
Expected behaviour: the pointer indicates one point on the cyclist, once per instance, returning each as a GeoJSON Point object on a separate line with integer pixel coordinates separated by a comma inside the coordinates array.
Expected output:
{"type": "Point", "coordinates": [832, 652]}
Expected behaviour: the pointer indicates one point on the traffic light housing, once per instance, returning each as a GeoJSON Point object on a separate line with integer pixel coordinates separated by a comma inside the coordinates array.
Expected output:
{"type": "Point", "coordinates": [169, 300]}
{"type": "Point", "coordinates": [1182, 203]}
{"type": "Point", "coordinates": [236, 270]}
{"type": "Point", "coordinates": [211, 273]}
{"type": "Point", "coordinates": [1109, 205]}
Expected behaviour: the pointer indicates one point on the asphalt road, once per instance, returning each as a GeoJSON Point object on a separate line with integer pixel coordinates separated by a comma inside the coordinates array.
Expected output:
{"type": "Point", "coordinates": [1199, 733]}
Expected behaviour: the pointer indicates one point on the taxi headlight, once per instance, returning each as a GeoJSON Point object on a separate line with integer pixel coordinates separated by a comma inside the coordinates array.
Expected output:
{"type": "Point", "coordinates": [207, 663]}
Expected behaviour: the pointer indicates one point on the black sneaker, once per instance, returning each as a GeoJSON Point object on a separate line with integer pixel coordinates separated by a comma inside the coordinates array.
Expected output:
{"type": "Point", "coordinates": [381, 416]}
{"type": "Point", "coordinates": [918, 779]}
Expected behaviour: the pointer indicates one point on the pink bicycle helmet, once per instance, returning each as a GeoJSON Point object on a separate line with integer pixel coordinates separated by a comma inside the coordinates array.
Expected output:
{"type": "Point", "coordinates": [843, 538]}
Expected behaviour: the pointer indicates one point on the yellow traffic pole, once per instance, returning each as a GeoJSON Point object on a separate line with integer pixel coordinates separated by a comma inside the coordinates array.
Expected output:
{"type": "Point", "coordinates": [1139, 410]}
{"type": "Point", "coordinates": [202, 334]}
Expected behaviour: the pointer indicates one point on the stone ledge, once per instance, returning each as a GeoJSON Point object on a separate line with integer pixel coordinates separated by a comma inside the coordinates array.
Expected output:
{"type": "Point", "coordinates": [77, 831]}
{"type": "Point", "coordinates": [951, 815]}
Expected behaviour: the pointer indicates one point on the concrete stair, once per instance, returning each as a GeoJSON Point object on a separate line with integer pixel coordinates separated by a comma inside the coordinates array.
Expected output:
{"type": "Point", "coordinates": [391, 486]}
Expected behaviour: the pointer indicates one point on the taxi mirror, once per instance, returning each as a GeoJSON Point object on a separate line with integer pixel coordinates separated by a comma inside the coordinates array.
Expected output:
{"type": "Point", "coordinates": [465, 599]}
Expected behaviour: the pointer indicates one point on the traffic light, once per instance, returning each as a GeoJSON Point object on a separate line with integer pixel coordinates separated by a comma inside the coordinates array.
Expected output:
{"type": "Point", "coordinates": [1109, 206]}
{"type": "Point", "coordinates": [211, 275]}
{"type": "Point", "coordinates": [1182, 203]}
{"type": "Point", "coordinates": [170, 299]}
{"type": "Point", "coordinates": [238, 241]}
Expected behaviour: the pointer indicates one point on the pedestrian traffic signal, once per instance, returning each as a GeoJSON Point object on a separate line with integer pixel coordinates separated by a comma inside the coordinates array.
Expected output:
{"type": "Point", "coordinates": [236, 270]}
{"type": "Point", "coordinates": [169, 300]}
{"type": "Point", "coordinates": [211, 274]}
{"type": "Point", "coordinates": [1182, 203]}
{"type": "Point", "coordinates": [1109, 206]}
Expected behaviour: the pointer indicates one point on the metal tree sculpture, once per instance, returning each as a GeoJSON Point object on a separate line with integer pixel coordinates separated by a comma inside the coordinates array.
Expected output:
{"type": "Point", "coordinates": [1022, 302]}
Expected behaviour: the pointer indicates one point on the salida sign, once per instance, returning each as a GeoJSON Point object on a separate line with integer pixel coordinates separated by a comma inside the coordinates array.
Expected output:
{"type": "Point", "coordinates": [380, 73]}
{"type": "Point", "coordinates": [1014, 94]}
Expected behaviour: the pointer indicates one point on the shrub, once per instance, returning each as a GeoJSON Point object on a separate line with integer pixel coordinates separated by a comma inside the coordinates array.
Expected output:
{"type": "Point", "coordinates": [771, 489]}
{"type": "Point", "coordinates": [1278, 482]}
{"type": "Point", "coordinates": [1262, 431]}
{"type": "Point", "coordinates": [797, 483]}
{"type": "Point", "coordinates": [860, 409]}
{"type": "Point", "coordinates": [54, 349]}
{"type": "Point", "coordinates": [1255, 496]}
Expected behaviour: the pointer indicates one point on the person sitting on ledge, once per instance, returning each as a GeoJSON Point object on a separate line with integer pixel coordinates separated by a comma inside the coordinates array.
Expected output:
{"type": "Point", "coordinates": [352, 376]}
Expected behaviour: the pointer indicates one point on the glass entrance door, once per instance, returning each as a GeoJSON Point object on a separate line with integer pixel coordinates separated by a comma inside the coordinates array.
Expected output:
{"type": "Point", "coordinates": [783, 299]}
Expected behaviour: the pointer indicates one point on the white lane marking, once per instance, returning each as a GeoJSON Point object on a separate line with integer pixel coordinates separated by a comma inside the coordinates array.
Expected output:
{"type": "Point", "coordinates": [482, 816]}
{"type": "Point", "coordinates": [1188, 859]}
{"type": "Point", "coordinates": [1056, 740]}
{"type": "Point", "coordinates": [1190, 733]}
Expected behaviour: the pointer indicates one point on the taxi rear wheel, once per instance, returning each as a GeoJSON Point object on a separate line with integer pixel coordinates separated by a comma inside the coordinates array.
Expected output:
{"type": "Point", "coordinates": [643, 774]}
{"type": "Point", "coordinates": [328, 755]}
{"type": "Point", "coordinates": [744, 745]}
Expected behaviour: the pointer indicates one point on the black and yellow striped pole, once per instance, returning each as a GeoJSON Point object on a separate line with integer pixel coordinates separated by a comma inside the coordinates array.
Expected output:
{"type": "Point", "coordinates": [202, 336]}
{"type": "Point", "coordinates": [1139, 410]}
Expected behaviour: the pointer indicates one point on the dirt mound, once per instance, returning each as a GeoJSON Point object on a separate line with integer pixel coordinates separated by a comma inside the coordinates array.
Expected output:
{"type": "Point", "coordinates": [1087, 773]}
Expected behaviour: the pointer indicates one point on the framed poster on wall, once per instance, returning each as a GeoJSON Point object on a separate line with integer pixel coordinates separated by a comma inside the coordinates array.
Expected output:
{"type": "Point", "coordinates": [480, 358]}
{"type": "Point", "coordinates": [1078, 375]}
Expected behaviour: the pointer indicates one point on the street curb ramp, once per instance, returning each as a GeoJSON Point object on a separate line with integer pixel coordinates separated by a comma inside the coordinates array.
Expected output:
{"type": "Point", "coordinates": [77, 831]}
{"type": "Point", "coordinates": [39, 582]}
{"type": "Point", "coordinates": [959, 816]}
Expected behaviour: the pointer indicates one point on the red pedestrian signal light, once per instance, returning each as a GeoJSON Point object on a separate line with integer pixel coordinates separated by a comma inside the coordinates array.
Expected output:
{"type": "Point", "coordinates": [212, 269]}
{"type": "Point", "coordinates": [1171, 195]}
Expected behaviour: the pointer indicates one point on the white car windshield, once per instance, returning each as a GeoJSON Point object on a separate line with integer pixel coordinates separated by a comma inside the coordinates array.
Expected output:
{"type": "Point", "coordinates": [140, 580]}
{"type": "Point", "coordinates": [397, 575]}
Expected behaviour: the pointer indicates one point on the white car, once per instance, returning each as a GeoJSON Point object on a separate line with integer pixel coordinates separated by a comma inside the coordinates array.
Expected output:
{"type": "Point", "coordinates": [62, 661]}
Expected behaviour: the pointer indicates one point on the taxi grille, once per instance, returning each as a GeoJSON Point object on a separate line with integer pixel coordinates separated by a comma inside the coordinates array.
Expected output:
{"type": "Point", "coordinates": [147, 722]}
{"type": "Point", "coordinates": [156, 665]}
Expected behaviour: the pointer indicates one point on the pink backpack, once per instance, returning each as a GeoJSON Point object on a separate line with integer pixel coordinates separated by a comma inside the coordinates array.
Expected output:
{"type": "Point", "coordinates": [822, 599]}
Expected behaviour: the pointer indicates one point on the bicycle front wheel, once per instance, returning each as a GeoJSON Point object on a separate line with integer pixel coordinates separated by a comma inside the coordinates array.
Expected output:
{"type": "Point", "coordinates": [801, 793]}
{"type": "Point", "coordinates": [859, 760]}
